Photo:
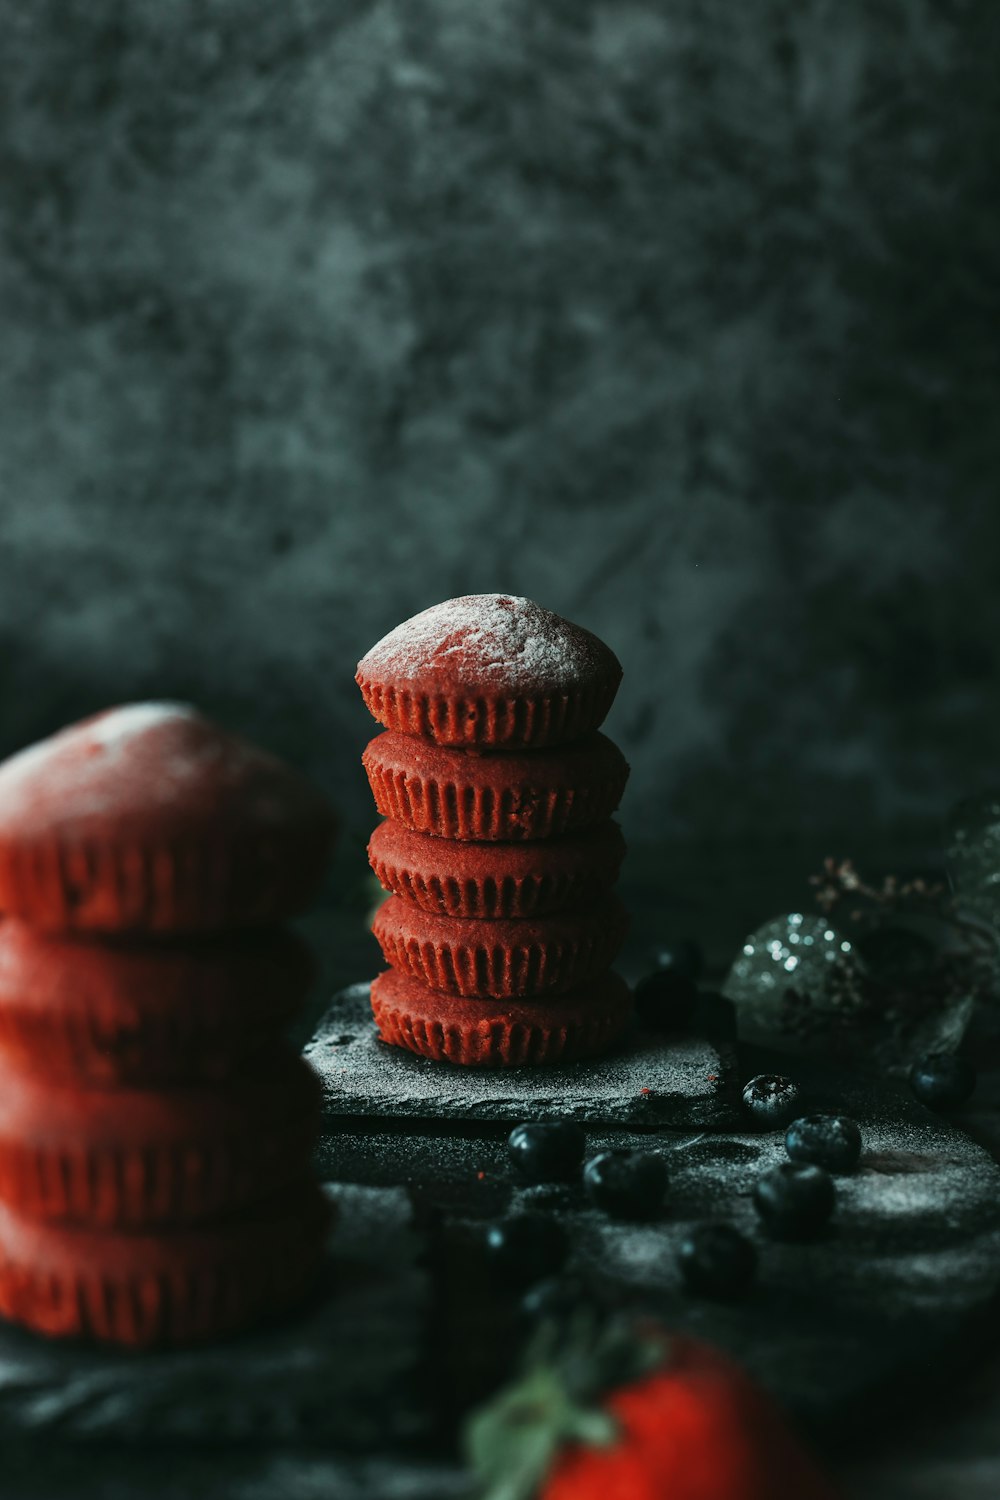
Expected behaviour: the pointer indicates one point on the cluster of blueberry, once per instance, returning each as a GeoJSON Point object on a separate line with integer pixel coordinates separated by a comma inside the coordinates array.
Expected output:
{"type": "Point", "coordinates": [794, 1200]}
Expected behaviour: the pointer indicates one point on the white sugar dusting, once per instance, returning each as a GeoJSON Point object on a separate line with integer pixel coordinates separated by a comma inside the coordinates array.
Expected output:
{"type": "Point", "coordinates": [111, 731]}
{"type": "Point", "coordinates": [115, 728]}
{"type": "Point", "coordinates": [497, 637]}
{"type": "Point", "coordinates": [75, 762]}
{"type": "Point", "coordinates": [363, 1076]}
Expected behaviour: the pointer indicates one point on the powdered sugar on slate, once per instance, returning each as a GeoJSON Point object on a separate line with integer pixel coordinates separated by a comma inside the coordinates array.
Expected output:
{"type": "Point", "coordinates": [492, 638]}
{"type": "Point", "coordinates": [688, 1083]}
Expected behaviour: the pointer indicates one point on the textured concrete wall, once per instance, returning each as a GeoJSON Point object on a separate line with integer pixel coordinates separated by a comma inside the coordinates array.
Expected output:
{"type": "Point", "coordinates": [680, 318]}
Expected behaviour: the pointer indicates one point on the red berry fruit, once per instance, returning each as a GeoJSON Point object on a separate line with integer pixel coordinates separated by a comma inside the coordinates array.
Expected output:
{"type": "Point", "coordinates": [686, 1424]}
{"type": "Point", "coordinates": [698, 1429]}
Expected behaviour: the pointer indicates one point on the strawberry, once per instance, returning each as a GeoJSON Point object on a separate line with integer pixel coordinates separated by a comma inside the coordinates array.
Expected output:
{"type": "Point", "coordinates": [676, 1420]}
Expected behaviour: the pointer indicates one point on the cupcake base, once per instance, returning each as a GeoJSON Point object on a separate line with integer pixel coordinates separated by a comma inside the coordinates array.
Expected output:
{"type": "Point", "coordinates": [500, 1033]}
{"type": "Point", "coordinates": [524, 957]}
{"type": "Point", "coordinates": [180, 1286]}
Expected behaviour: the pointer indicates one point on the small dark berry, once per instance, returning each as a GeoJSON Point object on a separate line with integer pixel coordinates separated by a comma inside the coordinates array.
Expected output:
{"type": "Point", "coordinates": [771, 1100]}
{"type": "Point", "coordinates": [627, 1184]}
{"type": "Point", "coordinates": [716, 1011]}
{"type": "Point", "coordinates": [526, 1248]}
{"type": "Point", "coordinates": [550, 1151]}
{"type": "Point", "coordinates": [794, 1200]}
{"type": "Point", "coordinates": [892, 955]}
{"type": "Point", "coordinates": [943, 1080]}
{"type": "Point", "coordinates": [665, 1000]}
{"type": "Point", "coordinates": [717, 1261]}
{"type": "Point", "coordinates": [683, 957]}
{"type": "Point", "coordinates": [556, 1299]}
{"type": "Point", "coordinates": [830, 1141]}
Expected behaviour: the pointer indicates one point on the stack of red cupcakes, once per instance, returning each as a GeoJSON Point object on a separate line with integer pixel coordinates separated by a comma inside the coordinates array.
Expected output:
{"type": "Point", "coordinates": [498, 849]}
{"type": "Point", "coordinates": [155, 1129]}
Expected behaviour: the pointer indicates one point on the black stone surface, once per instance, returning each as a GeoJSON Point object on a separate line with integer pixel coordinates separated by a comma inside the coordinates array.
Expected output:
{"type": "Point", "coordinates": [343, 1371]}
{"type": "Point", "coordinates": [836, 1328]}
{"type": "Point", "coordinates": [65, 1472]}
{"type": "Point", "coordinates": [648, 1082]}
{"type": "Point", "coordinates": [912, 1254]}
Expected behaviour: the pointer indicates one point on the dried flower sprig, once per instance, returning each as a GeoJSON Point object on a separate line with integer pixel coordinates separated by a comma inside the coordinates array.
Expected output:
{"type": "Point", "coordinates": [940, 974]}
{"type": "Point", "coordinates": [839, 883]}
{"type": "Point", "coordinates": [840, 879]}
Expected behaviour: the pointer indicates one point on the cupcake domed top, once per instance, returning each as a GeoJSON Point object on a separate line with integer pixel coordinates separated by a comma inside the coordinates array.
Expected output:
{"type": "Point", "coordinates": [490, 670]}
{"type": "Point", "coordinates": [148, 761]}
{"type": "Point", "coordinates": [149, 817]}
{"type": "Point", "coordinates": [485, 640]}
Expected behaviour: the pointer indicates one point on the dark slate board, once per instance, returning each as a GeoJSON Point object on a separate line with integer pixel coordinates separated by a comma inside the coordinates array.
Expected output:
{"type": "Point", "coordinates": [67, 1472]}
{"type": "Point", "coordinates": [648, 1082]}
{"type": "Point", "coordinates": [912, 1256]}
{"type": "Point", "coordinates": [342, 1371]}
{"type": "Point", "coordinates": [356, 1395]}
{"type": "Point", "coordinates": [911, 1260]}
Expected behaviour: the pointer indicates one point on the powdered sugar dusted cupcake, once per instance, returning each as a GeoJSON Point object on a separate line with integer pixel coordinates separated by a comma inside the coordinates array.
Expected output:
{"type": "Point", "coordinates": [509, 958]}
{"type": "Point", "coordinates": [490, 670]}
{"type": "Point", "coordinates": [511, 795]}
{"type": "Point", "coordinates": [500, 1033]}
{"type": "Point", "coordinates": [139, 1158]}
{"type": "Point", "coordinates": [145, 1013]}
{"type": "Point", "coordinates": [467, 879]}
{"type": "Point", "coordinates": [150, 819]}
{"type": "Point", "coordinates": [140, 1288]}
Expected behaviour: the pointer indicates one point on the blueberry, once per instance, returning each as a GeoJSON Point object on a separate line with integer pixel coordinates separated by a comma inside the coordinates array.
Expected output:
{"type": "Point", "coordinates": [830, 1141]}
{"type": "Point", "coordinates": [526, 1248]}
{"type": "Point", "coordinates": [665, 1000]}
{"type": "Point", "coordinates": [771, 1100]}
{"type": "Point", "coordinates": [894, 955]}
{"type": "Point", "coordinates": [683, 957]}
{"type": "Point", "coordinates": [716, 1261]}
{"type": "Point", "coordinates": [794, 1200]}
{"type": "Point", "coordinates": [627, 1184]}
{"type": "Point", "coordinates": [551, 1151]}
{"type": "Point", "coordinates": [556, 1299]}
{"type": "Point", "coordinates": [943, 1080]}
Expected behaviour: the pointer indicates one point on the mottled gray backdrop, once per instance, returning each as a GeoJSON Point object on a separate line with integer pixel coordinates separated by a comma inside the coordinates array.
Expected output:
{"type": "Point", "coordinates": [678, 317]}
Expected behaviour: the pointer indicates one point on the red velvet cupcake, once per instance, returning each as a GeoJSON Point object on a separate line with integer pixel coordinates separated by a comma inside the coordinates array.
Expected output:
{"type": "Point", "coordinates": [510, 958]}
{"type": "Point", "coordinates": [131, 1159]}
{"type": "Point", "coordinates": [490, 670]}
{"type": "Point", "coordinates": [150, 819]}
{"type": "Point", "coordinates": [134, 1013]}
{"type": "Point", "coordinates": [183, 1287]}
{"type": "Point", "coordinates": [462, 879]}
{"type": "Point", "coordinates": [499, 1033]}
{"type": "Point", "coordinates": [534, 794]}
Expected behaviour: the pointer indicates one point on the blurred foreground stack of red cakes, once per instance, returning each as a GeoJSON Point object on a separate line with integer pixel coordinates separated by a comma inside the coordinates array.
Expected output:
{"type": "Point", "coordinates": [498, 848]}
{"type": "Point", "coordinates": [155, 1128]}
